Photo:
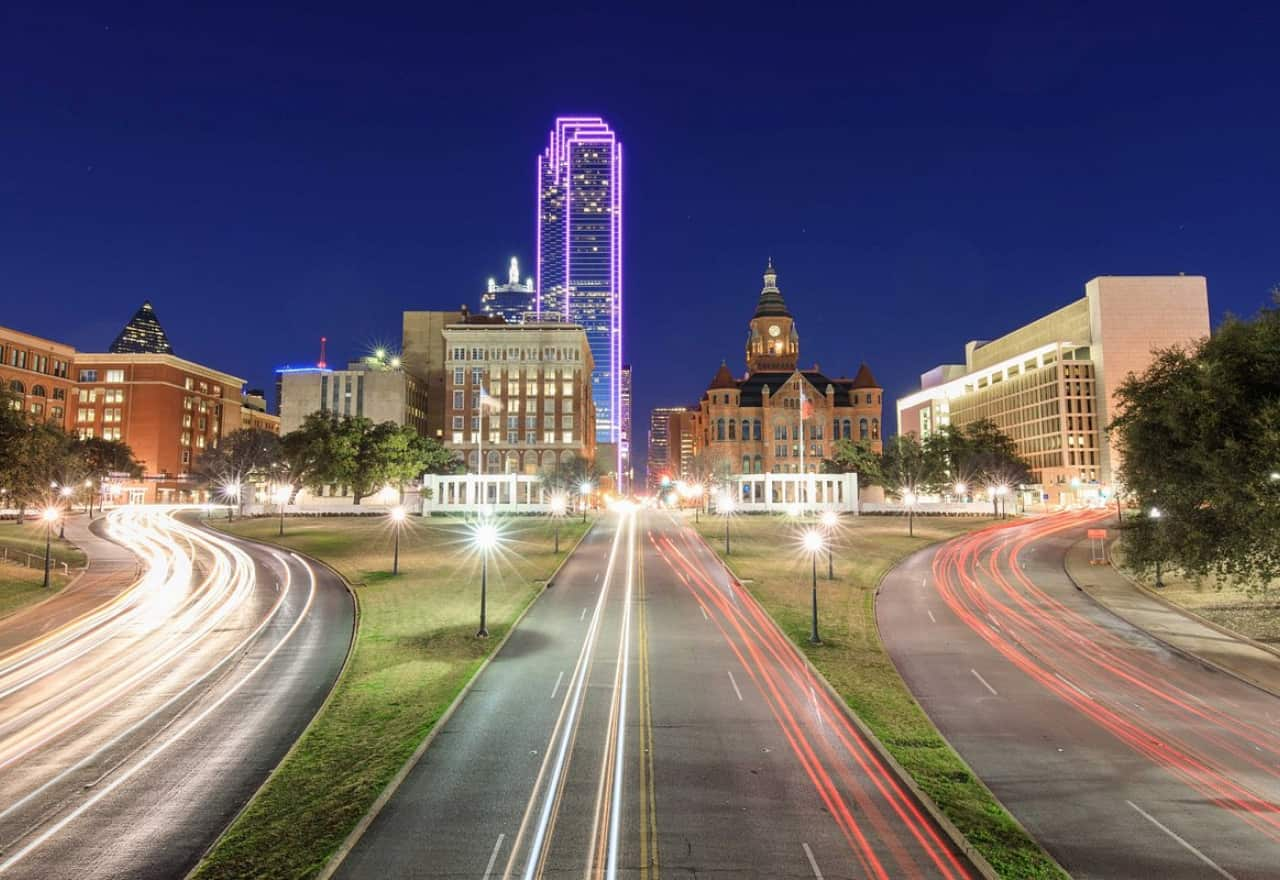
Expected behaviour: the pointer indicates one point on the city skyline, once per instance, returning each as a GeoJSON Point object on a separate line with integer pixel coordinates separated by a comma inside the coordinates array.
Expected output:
{"type": "Point", "coordinates": [932, 194]}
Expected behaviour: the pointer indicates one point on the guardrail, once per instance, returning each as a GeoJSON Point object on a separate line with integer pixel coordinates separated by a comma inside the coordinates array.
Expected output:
{"type": "Point", "coordinates": [21, 557]}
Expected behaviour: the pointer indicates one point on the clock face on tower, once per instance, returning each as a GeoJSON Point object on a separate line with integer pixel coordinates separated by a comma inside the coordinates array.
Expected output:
{"type": "Point", "coordinates": [774, 330]}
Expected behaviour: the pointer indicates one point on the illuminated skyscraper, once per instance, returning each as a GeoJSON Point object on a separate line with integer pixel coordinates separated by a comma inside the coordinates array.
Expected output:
{"type": "Point", "coordinates": [624, 430]}
{"type": "Point", "coordinates": [579, 240]}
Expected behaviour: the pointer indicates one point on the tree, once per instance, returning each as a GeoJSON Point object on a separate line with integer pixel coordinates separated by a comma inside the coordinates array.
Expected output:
{"type": "Point", "coordinates": [1199, 436]}
{"type": "Point", "coordinates": [569, 475]}
{"type": "Point", "coordinates": [854, 457]}
{"type": "Point", "coordinates": [315, 455]}
{"type": "Point", "coordinates": [97, 459]}
{"type": "Point", "coordinates": [981, 454]}
{"type": "Point", "coordinates": [411, 455]}
{"type": "Point", "coordinates": [909, 466]}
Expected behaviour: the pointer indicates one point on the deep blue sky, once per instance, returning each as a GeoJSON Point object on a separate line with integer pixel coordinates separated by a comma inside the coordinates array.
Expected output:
{"type": "Point", "coordinates": [921, 177]}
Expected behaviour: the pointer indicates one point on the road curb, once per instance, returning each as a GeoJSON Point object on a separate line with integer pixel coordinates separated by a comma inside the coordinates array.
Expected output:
{"type": "Point", "coordinates": [961, 842]}
{"type": "Point", "coordinates": [339, 855]}
{"type": "Point", "coordinates": [1185, 652]}
{"type": "Point", "coordinates": [333, 689]}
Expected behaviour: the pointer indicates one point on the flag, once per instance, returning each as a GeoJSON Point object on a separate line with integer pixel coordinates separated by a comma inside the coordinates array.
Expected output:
{"type": "Point", "coordinates": [806, 406]}
{"type": "Point", "coordinates": [488, 402]}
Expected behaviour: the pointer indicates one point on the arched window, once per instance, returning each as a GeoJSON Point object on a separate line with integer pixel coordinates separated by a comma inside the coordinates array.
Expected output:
{"type": "Point", "coordinates": [566, 458]}
{"type": "Point", "coordinates": [746, 464]}
{"type": "Point", "coordinates": [548, 460]}
{"type": "Point", "coordinates": [719, 429]}
{"type": "Point", "coordinates": [733, 429]}
{"type": "Point", "coordinates": [17, 387]}
{"type": "Point", "coordinates": [38, 391]}
{"type": "Point", "coordinates": [513, 463]}
{"type": "Point", "coordinates": [473, 462]}
{"type": "Point", "coordinates": [746, 429]}
{"type": "Point", "coordinates": [862, 429]}
{"type": "Point", "coordinates": [875, 429]}
{"type": "Point", "coordinates": [491, 462]}
{"type": "Point", "coordinates": [847, 429]}
{"type": "Point", "coordinates": [759, 465]}
{"type": "Point", "coordinates": [755, 430]}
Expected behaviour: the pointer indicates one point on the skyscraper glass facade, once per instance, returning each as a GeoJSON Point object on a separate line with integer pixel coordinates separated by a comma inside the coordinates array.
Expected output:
{"type": "Point", "coordinates": [579, 240]}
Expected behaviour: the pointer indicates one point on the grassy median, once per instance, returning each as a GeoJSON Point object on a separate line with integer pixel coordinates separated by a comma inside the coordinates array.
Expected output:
{"type": "Point", "coordinates": [415, 649]}
{"type": "Point", "coordinates": [855, 663]}
{"type": "Point", "coordinates": [21, 585]}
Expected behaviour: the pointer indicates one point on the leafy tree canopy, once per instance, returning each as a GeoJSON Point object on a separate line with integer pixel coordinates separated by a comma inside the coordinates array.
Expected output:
{"type": "Point", "coordinates": [1199, 435]}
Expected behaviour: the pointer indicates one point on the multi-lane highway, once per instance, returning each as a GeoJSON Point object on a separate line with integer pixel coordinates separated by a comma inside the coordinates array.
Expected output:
{"type": "Point", "coordinates": [648, 719]}
{"type": "Point", "coordinates": [133, 729]}
{"type": "Point", "coordinates": [1123, 757]}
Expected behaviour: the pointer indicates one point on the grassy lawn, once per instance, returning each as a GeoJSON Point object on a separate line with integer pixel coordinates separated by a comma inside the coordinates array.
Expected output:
{"type": "Point", "coordinates": [21, 586]}
{"type": "Point", "coordinates": [855, 663]}
{"type": "Point", "coordinates": [415, 649]}
{"type": "Point", "coordinates": [1254, 613]}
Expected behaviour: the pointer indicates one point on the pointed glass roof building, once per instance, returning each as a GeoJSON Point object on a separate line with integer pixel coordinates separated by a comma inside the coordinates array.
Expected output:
{"type": "Point", "coordinates": [142, 335]}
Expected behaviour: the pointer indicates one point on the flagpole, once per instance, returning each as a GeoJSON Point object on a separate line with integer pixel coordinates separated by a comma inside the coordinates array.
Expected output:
{"type": "Point", "coordinates": [803, 441]}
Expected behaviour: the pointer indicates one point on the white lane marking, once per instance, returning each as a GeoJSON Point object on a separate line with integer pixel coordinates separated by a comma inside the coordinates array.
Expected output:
{"type": "Point", "coordinates": [703, 609]}
{"type": "Point", "coordinates": [734, 682]}
{"type": "Point", "coordinates": [559, 678]}
{"type": "Point", "coordinates": [493, 857]}
{"type": "Point", "coordinates": [985, 683]}
{"type": "Point", "coordinates": [128, 774]}
{"type": "Point", "coordinates": [615, 817]}
{"type": "Point", "coordinates": [931, 617]}
{"type": "Point", "coordinates": [813, 697]}
{"type": "Point", "coordinates": [597, 580]}
{"type": "Point", "coordinates": [813, 863]}
{"type": "Point", "coordinates": [924, 581]}
{"type": "Point", "coordinates": [1073, 687]}
{"type": "Point", "coordinates": [994, 622]}
{"type": "Point", "coordinates": [583, 615]}
{"type": "Point", "coordinates": [1195, 852]}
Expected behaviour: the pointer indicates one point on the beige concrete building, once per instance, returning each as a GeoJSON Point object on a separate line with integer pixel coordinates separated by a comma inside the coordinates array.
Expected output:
{"type": "Point", "coordinates": [520, 392]}
{"type": "Point", "coordinates": [1050, 384]}
{"type": "Point", "coordinates": [378, 390]}
{"type": "Point", "coordinates": [423, 354]}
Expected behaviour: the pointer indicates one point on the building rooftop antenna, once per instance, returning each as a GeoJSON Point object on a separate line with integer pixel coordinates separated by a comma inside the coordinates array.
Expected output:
{"type": "Point", "coordinates": [323, 341]}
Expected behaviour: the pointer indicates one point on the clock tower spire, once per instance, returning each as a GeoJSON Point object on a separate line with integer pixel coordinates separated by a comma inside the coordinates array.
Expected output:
{"type": "Point", "coordinates": [773, 345]}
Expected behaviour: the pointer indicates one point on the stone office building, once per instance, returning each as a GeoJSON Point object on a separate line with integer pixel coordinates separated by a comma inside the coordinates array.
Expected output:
{"type": "Point", "coordinates": [778, 418]}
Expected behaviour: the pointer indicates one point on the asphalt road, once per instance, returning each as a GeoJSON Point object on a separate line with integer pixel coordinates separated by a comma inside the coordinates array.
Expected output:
{"type": "Point", "coordinates": [1122, 756]}
{"type": "Point", "coordinates": [647, 719]}
{"type": "Point", "coordinates": [132, 732]}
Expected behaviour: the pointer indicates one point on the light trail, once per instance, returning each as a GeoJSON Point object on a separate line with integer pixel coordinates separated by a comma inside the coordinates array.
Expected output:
{"type": "Point", "coordinates": [73, 698]}
{"type": "Point", "coordinates": [1066, 652]}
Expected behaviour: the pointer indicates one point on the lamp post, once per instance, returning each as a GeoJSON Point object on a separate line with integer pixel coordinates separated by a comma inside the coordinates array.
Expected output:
{"type": "Point", "coordinates": [584, 489]}
{"type": "Point", "coordinates": [909, 499]}
{"type": "Point", "coordinates": [66, 493]}
{"type": "Point", "coordinates": [1156, 515]}
{"type": "Point", "coordinates": [726, 508]}
{"type": "Point", "coordinates": [1001, 491]}
{"type": "Point", "coordinates": [830, 519]}
{"type": "Point", "coordinates": [961, 489]}
{"type": "Point", "coordinates": [88, 490]}
{"type": "Point", "coordinates": [50, 514]}
{"type": "Point", "coordinates": [485, 536]}
{"type": "Point", "coordinates": [231, 491]}
{"type": "Point", "coordinates": [559, 505]}
{"type": "Point", "coordinates": [813, 543]}
{"type": "Point", "coordinates": [696, 490]}
{"type": "Point", "coordinates": [282, 498]}
{"type": "Point", "coordinates": [397, 522]}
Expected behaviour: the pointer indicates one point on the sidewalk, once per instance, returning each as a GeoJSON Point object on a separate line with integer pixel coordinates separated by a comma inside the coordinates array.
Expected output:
{"type": "Point", "coordinates": [1174, 626]}
{"type": "Point", "coordinates": [112, 570]}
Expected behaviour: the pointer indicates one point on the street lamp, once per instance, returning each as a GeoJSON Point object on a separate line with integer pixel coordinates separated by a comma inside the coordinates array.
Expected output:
{"type": "Point", "coordinates": [726, 509]}
{"type": "Point", "coordinates": [909, 500]}
{"type": "Point", "coordinates": [830, 519]}
{"type": "Point", "coordinates": [231, 491]}
{"type": "Point", "coordinates": [397, 521]}
{"type": "Point", "coordinates": [1156, 515]}
{"type": "Point", "coordinates": [696, 491]}
{"type": "Point", "coordinates": [50, 514]}
{"type": "Point", "coordinates": [961, 489]}
{"type": "Point", "coordinates": [282, 498]}
{"type": "Point", "coordinates": [66, 493]}
{"type": "Point", "coordinates": [813, 544]}
{"type": "Point", "coordinates": [485, 538]}
{"type": "Point", "coordinates": [584, 489]}
{"type": "Point", "coordinates": [88, 491]}
{"type": "Point", "coordinates": [559, 506]}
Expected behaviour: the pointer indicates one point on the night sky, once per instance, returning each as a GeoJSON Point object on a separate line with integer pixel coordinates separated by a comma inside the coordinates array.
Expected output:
{"type": "Point", "coordinates": [920, 177]}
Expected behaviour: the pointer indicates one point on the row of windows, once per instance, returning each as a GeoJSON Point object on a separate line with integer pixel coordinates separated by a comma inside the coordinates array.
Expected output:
{"type": "Point", "coordinates": [855, 399]}
{"type": "Point", "coordinates": [88, 433]}
{"type": "Point", "coordinates": [512, 404]}
{"type": "Point", "coordinates": [727, 429]}
{"type": "Point", "coordinates": [513, 437]}
{"type": "Point", "coordinates": [549, 353]}
{"type": "Point", "coordinates": [37, 390]}
{"type": "Point", "coordinates": [22, 359]}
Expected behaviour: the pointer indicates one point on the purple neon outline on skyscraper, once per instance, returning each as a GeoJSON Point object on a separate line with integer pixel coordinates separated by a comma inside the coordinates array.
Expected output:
{"type": "Point", "coordinates": [554, 171]}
